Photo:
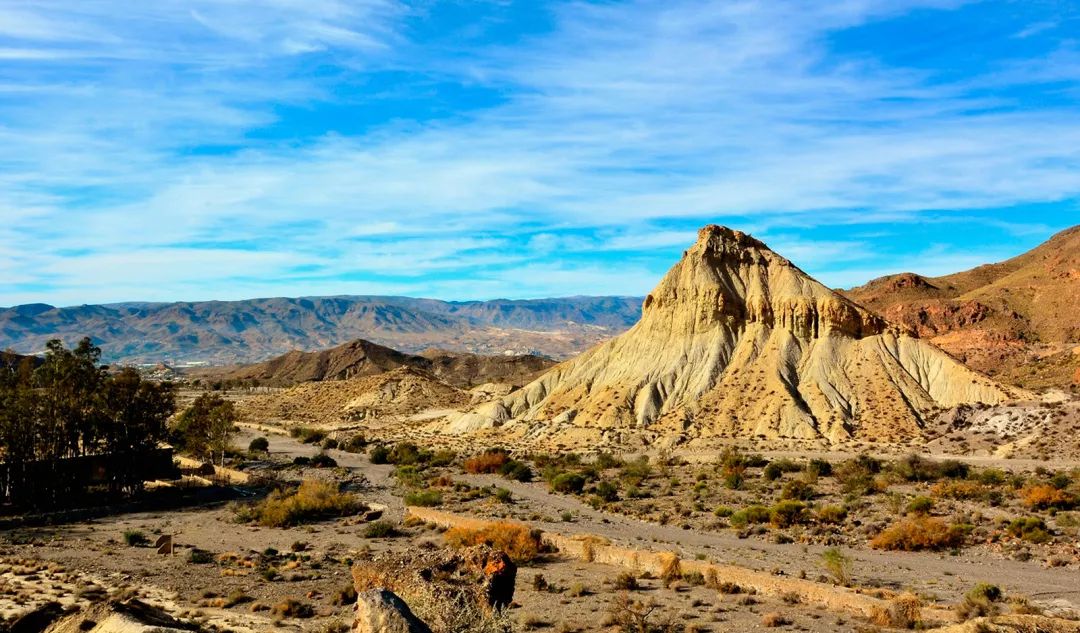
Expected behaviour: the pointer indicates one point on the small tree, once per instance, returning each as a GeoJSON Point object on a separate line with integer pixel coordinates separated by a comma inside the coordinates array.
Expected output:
{"type": "Point", "coordinates": [207, 426]}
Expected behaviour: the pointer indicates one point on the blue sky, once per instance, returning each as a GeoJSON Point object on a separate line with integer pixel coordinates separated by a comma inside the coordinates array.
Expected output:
{"type": "Point", "coordinates": [226, 149]}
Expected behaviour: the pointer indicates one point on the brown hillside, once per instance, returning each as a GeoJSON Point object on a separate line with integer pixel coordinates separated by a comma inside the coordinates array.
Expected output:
{"type": "Point", "coordinates": [737, 341]}
{"type": "Point", "coordinates": [392, 395]}
{"type": "Point", "coordinates": [1017, 319]}
{"type": "Point", "coordinates": [364, 358]}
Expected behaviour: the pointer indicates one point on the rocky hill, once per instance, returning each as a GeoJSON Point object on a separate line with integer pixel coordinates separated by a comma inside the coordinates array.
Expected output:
{"type": "Point", "coordinates": [364, 358]}
{"type": "Point", "coordinates": [737, 341]}
{"type": "Point", "coordinates": [233, 332]}
{"type": "Point", "coordinates": [382, 398]}
{"type": "Point", "coordinates": [1016, 320]}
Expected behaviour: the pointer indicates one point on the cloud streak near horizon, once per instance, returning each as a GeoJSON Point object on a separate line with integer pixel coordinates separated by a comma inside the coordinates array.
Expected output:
{"type": "Point", "coordinates": [225, 150]}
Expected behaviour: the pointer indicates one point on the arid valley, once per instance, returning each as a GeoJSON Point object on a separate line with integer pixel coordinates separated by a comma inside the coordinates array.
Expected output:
{"type": "Point", "coordinates": [758, 451]}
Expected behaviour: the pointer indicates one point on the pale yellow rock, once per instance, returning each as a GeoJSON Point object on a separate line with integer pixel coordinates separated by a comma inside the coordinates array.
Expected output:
{"type": "Point", "coordinates": [736, 340]}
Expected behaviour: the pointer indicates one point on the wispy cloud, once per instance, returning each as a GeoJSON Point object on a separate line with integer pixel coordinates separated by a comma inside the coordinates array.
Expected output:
{"type": "Point", "coordinates": [209, 149]}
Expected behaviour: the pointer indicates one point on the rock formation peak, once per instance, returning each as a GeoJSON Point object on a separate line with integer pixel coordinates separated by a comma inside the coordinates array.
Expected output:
{"type": "Point", "coordinates": [736, 340]}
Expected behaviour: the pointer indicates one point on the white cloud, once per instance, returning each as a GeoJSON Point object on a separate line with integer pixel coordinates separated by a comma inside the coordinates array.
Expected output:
{"type": "Point", "coordinates": [625, 118]}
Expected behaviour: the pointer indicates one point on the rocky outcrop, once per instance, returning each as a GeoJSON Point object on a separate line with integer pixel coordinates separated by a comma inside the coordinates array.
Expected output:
{"type": "Point", "coordinates": [738, 341]}
{"type": "Point", "coordinates": [999, 318]}
{"type": "Point", "coordinates": [382, 611]}
{"type": "Point", "coordinates": [131, 616]}
{"type": "Point", "coordinates": [475, 576]}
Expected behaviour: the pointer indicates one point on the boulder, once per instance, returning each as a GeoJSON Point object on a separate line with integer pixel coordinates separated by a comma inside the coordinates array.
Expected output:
{"type": "Point", "coordinates": [479, 575]}
{"type": "Point", "coordinates": [382, 611]}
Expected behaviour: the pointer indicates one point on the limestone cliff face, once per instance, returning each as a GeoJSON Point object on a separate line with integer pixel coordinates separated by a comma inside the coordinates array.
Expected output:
{"type": "Point", "coordinates": [736, 340]}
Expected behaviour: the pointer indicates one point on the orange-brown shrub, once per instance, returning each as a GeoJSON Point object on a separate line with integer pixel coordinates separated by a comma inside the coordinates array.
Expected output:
{"type": "Point", "coordinates": [486, 463]}
{"type": "Point", "coordinates": [960, 490]}
{"type": "Point", "coordinates": [520, 544]}
{"type": "Point", "coordinates": [1043, 496]}
{"type": "Point", "coordinates": [919, 533]}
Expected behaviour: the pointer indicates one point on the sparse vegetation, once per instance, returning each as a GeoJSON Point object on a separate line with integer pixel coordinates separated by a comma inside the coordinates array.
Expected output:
{"type": "Point", "coordinates": [314, 500]}
{"type": "Point", "coordinates": [520, 544]}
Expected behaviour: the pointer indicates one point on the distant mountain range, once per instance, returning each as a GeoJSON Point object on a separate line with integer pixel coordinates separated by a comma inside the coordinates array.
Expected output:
{"type": "Point", "coordinates": [232, 332]}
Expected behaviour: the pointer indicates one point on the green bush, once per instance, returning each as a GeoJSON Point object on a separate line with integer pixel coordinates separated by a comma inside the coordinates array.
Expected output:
{"type": "Point", "coordinates": [1031, 529]}
{"type": "Point", "coordinates": [307, 435]}
{"type": "Point", "coordinates": [355, 444]}
{"type": "Point", "coordinates": [788, 513]}
{"type": "Point", "coordinates": [135, 538]}
{"type": "Point", "coordinates": [776, 469]}
{"type": "Point", "coordinates": [379, 454]}
{"type": "Point", "coordinates": [380, 529]}
{"type": "Point", "coordinates": [920, 505]}
{"type": "Point", "coordinates": [570, 483]}
{"type": "Point", "coordinates": [424, 498]}
{"type": "Point", "coordinates": [200, 557]}
{"type": "Point", "coordinates": [516, 471]}
{"type": "Point", "coordinates": [832, 514]}
{"type": "Point", "coordinates": [322, 460]}
{"type": "Point", "coordinates": [819, 468]}
{"type": "Point", "coordinates": [607, 491]}
{"type": "Point", "coordinates": [259, 445]}
{"type": "Point", "coordinates": [313, 500]}
{"type": "Point", "coordinates": [797, 490]}
{"type": "Point", "coordinates": [750, 515]}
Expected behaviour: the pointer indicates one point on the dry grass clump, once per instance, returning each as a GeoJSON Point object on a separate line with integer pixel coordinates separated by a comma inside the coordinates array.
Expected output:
{"type": "Point", "coordinates": [902, 612]}
{"type": "Point", "coordinates": [517, 541]}
{"type": "Point", "coordinates": [919, 533]}
{"type": "Point", "coordinates": [292, 608]}
{"type": "Point", "coordinates": [312, 501]}
{"type": "Point", "coordinates": [772, 620]}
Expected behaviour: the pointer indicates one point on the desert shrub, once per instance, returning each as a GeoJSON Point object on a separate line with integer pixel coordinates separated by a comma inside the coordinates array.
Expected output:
{"type": "Point", "coordinates": [919, 533]}
{"type": "Point", "coordinates": [723, 512]}
{"type": "Point", "coordinates": [1031, 529]}
{"type": "Point", "coordinates": [380, 529]}
{"type": "Point", "coordinates": [312, 501]}
{"type": "Point", "coordinates": [516, 471]}
{"type": "Point", "coordinates": [916, 468]}
{"type": "Point", "coordinates": [832, 514]}
{"type": "Point", "coordinates": [502, 495]}
{"type": "Point", "coordinates": [797, 490]}
{"type": "Point", "coordinates": [307, 435]}
{"type": "Point", "coordinates": [819, 468]}
{"type": "Point", "coordinates": [775, 469]}
{"type": "Point", "coordinates": [774, 619]}
{"type": "Point", "coordinates": [200, 557]}
{"type": "Point", "coordinates": [379, 454]}
{"type": "Point", "coordinates": [409, 476]}
{"type": "Point", "coordinates": [301, 460]}
{"type": "Point", "coordinates": [625, 581]}
{"type": "Point", "coordinates": [788, 513]}
{"type": "Point", "coordinates": [424, 498]}
{"type": "Point", "coordinates": [322, 460]}
{"type": "Point", "coordinates": [1060, 480]}
{"type": "Point", "coordinates": [292, 608]}
{"type": "Point", "coordinates": [607, 491]}
{"type": "Point", "coordinates": [407, 454]}
{"type": "Point", "coordinates": [259, 445]}
{"type": "Point", "coordinates": [636, 471]}
{"type": "Point", "coordinates": [961, 490]}
{"type": "Point", "coordinates": [604, 461]}
{"type": "Point", "coordinates": [488, 462]}
{"type": "Point", "coordinates": [990, 476]}
{"type": "Point", "coordinates": [442, 457]}
{"type": "Point", "coordinates": [517, 541]}
{"type": "Point", "coordinates": [1045, 497]}
{"type": "Point", "coordinates": [901, 612]}
{"type": "Point", "coordinates": [837, 564]}
{"type": "Point", "coordinates": [344, 596]}
{"type": "Point", "coordinates": [856, 475]}
{"type": "Point", "coordinates": [749, 515]}
{"type": "Point", "coordinates": [571, 483]}
{"type": "Point", "coordinates": [135, 538]}
{"type": "Point", "coordinates": [920, 505]}
{"type": "Point", "coordinates": [980, 601]}
{"type": "Point", "coordinates": [354, 444]}
{"type": "Point", "coordinates": [671, 569]}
